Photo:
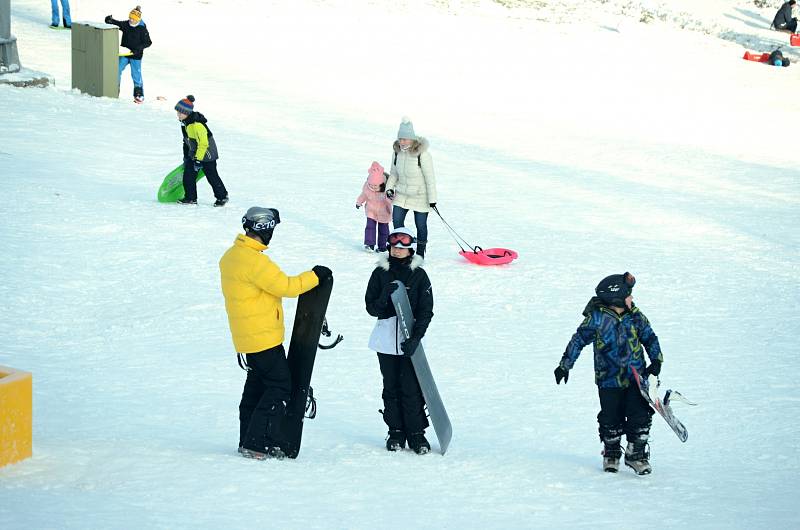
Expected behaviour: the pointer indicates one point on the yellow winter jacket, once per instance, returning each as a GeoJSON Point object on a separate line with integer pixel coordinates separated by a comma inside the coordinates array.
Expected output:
{"type": "Point", "coordinates": [253, 287]}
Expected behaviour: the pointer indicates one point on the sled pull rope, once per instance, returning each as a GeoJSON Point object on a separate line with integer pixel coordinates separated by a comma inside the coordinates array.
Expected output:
{"type": "Point", "coordinates": [455, 235]}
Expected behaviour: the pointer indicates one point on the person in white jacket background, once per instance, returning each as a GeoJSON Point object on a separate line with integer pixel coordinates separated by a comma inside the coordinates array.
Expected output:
{"type": "Point", "coordinates": [412, 182]}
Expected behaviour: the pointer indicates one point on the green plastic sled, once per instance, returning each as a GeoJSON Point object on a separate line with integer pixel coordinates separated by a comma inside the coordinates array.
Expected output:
{"type": "Point", "coordinates": [171, 189]}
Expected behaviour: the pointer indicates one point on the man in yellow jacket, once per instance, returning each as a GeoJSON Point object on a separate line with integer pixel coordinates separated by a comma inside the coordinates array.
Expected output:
{"type": "Point", "coordinates": [253, 286]}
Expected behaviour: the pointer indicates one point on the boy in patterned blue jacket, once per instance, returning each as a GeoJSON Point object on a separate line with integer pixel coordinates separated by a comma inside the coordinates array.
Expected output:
{"type": "Point", "coordinates": [620, 334]}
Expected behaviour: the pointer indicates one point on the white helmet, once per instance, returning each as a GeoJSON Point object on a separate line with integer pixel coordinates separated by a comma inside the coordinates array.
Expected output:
{"type": "Point", "coordinates": [402, 237]}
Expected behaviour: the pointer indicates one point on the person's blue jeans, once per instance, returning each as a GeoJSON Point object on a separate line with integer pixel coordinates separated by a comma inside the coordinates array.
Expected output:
{"type": "Point", "coordinates": [420, 221]}
{"type": "Point", "coordinates": [55, 19]}
{"type": "Point", "coordinates": [136, 71]}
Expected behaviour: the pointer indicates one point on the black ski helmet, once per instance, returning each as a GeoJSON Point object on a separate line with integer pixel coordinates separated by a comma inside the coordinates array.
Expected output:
{"type": "Point", "coordinates": [614, 289]}
{"type": "Point", "coordinates": [261, 221]}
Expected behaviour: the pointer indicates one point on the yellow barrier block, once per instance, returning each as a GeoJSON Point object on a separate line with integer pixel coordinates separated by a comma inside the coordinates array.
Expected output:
{"type": "Point", "coordinates": [16, 414]}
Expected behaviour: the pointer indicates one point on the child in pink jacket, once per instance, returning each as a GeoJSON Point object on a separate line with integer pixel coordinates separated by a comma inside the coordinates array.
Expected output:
{"type": "Point", "coordinates": [378, 210]}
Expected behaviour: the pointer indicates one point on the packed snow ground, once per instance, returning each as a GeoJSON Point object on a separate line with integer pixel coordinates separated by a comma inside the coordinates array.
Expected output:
{"type": "Point", "coordinates": [589, 148]}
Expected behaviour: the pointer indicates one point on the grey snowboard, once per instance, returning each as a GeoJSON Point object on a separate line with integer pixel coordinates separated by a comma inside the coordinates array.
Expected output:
{"type": "Point", "coordinates": [436, 410]}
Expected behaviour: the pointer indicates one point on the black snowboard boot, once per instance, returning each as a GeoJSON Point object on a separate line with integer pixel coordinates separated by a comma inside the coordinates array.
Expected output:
{"type": "Point", "coordinates": [396, 440]}
{"type": "Point", "coordinates": [418, 443]}
{"type": "Point", "coordinates": [421, 246]}
{"type": "Point", "coordinates": [612, 451]}
{"type": "Point", "coordinates": [637, 456]}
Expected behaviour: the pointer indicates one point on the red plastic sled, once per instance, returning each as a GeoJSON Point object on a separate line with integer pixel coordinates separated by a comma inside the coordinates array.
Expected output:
{"type": "Point", "coordinates": [490, 256]}
{"type": "Point", "coordinates": [757, 57]}
{"type": "Point", "coordinates": [794, 39]}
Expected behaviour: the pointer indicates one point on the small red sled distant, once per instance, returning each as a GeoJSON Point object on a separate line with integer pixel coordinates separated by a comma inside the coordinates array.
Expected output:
{"type": "Point", "coordinates": [794, 39]}
{"type": "Point", "coordinates": [757, 57]}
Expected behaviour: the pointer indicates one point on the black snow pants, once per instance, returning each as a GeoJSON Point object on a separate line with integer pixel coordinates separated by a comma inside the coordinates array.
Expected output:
{"type": "Point", "coordinates": [403, 404]}
{"type": "Point", "coordinates": [266, 391]}
{"type": "Point", "coordinates": [623, 411]}
{"type": "Point", "coordinates": [190, 180]}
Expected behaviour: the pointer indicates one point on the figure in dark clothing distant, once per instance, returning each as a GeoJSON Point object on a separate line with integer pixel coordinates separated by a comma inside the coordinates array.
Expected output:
{"type": "Point", "coordinates": [783, 18]}
{"type": "Point", "coordinates": [136, 38]}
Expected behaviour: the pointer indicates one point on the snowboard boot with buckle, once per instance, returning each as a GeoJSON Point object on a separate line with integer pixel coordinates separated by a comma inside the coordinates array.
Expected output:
{"type": "Point", "coordinates": [637, 456]}
{"type": "Point", "coordinates": [419, 443]}
{"type": "Point", "coordinates": [396, 440]}
{"type": "Point", "coordinates": [611, 455]}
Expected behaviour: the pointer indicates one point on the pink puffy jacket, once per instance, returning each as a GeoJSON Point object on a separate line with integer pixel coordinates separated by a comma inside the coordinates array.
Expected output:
{"type": "Point", "coordinates": [379, 207]}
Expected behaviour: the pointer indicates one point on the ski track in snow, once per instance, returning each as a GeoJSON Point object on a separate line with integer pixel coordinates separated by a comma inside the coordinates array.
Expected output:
{"type": "Point", "coordinates": [113, 302]}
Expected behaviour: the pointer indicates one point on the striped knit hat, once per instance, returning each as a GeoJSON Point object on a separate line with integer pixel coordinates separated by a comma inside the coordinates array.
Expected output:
{"type": "Point", "coordinates": [186, 105]}
{"type": "Point", "coordinates": [135, 14]}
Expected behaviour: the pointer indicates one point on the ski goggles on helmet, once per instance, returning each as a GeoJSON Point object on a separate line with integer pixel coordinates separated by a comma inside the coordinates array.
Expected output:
{"type": "Point", "coordinates": [401, 240]}
{"type": "Point", "coordinates": [629, 280]}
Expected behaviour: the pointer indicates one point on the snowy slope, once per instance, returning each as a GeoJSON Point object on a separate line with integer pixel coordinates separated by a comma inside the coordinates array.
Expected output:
{"type": "Point", "coordinates": [591, 149]}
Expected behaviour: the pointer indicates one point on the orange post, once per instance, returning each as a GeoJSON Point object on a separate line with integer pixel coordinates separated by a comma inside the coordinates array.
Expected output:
{"type": "Point", "coordinates": [16, 415]}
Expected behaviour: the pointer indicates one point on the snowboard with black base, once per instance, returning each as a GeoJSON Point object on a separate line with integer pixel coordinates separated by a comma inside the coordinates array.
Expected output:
{"type": "Point", "coordinates": [436, 410]}
{"type": "Point", "coordinates": [308, 322]}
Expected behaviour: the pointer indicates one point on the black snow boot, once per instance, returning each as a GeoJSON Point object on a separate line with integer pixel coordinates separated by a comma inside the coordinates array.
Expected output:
{"type": "Point", "coordinates": [612, 451]}
{"type": "Point", "coordinates": [637, 456]}
{"type": "Point", "coordinates": [421, 245]}
{"type": "Point", "coordinates": [418, 443]}
{"type": "Point", "coordinates": [396, 440]}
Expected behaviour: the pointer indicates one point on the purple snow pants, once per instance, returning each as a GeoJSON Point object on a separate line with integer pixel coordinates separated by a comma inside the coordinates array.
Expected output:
{"type": "Point", "coordinates": [369, 233]}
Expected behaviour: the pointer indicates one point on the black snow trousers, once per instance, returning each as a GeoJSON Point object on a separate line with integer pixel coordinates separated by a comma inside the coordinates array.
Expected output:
{"type": "Point", "coordinates": [403, 404]}
{"type": "Point", "coordinates": [623, 411]}
{"type": "Point", "coordinates": [190, 180]}
{"type": "Point", "coordinates": [266, 391]}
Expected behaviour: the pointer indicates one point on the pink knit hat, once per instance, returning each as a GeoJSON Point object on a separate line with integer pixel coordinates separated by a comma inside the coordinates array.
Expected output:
{"type": "Point", "coordinates": [376, 176]}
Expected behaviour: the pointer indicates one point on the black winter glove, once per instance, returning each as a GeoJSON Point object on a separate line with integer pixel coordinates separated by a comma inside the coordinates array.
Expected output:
{"type": "Point", "coordinates": [433, 205]}
{"type": "Point", "coordinates": [561, 373]}
{"type": "Point", "coordinates": [385, 297]}
{"type": "Point", "coordinates": [410, 345]}
{"type": "Point", "coordinates": [108, 19]}
{"type": "Point", "coordinates": [358, 206]}
{"type": "Point", "coordinates": [322, 272]}
{"type": "Point", "coordinates": [197, 165]}
{"type": "Point", "coordinates": [390, 194]}
{"type": "Point", "coordinates": [654, 368]}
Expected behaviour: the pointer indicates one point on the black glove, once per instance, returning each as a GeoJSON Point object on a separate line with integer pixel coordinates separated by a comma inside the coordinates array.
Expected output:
{"type": "Point", "coordinates": [561, 373]}
{"type": "Point", "coordinates": [409, 346]}
{"type": "Point", "coordinates": [390, 194]}
{"type": "Point", "coordinates": [322, 272]}
{"type": "Point", "coordinates": [392, 287]}
{"type": "Point", "coordinates": [358, 206]}
{"type": "Point", "coordinates": [433, 205]}
{"type": "Point", "coordinates": [197, 165]}
{"type": "Point", "coordinates": [654, 368]}
{"type": "Point", "coordinates": [108, 19]}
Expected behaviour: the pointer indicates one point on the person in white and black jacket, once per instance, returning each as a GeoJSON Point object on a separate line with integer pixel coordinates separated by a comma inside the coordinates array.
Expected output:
{"type": "Point", "coordinates": [404, 405]}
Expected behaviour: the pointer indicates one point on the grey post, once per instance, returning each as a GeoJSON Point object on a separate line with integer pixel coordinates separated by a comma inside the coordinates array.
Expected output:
{"type": "Point", "coordinates": [9, 57]}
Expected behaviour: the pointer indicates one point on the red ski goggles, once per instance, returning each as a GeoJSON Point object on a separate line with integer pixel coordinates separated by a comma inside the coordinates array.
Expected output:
{"type": "Point", "coordinates": [404, 239]}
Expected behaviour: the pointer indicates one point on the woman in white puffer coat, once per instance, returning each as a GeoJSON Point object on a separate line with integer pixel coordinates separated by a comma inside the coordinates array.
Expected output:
{"type": "Point", "coordinates": [412, 182]}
